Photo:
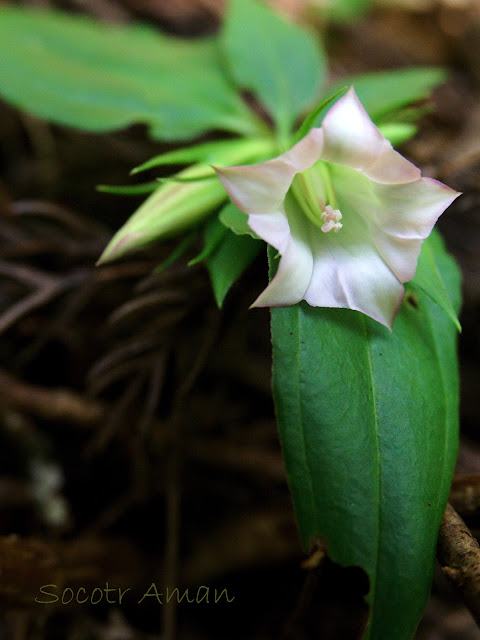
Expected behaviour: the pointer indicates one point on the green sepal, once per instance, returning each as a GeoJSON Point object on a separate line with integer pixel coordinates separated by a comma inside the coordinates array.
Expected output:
{"type": "Point", "coordinates": [185, 179]}
{"type": "Point", "coordinates": [213, 235]}
{"type": "Point", "coordinates": [229, 260]}
{"type": "Point", "coordinates": [177, 253]}
{"type": "Point", "coordinates": [180, 205]}
{"type": "Point", "coordinates": [235, 220]}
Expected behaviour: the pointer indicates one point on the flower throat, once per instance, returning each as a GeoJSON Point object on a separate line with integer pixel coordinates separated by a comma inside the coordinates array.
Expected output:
{"type": "Point", "coordinates": [322, 213]}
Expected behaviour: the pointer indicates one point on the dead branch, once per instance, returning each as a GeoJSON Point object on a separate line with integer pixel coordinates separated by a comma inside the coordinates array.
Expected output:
{"type": "Point", "coordinates": [459, 556]}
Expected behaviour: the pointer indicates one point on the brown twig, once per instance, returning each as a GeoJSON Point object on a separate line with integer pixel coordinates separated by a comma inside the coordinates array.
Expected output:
{"type": "Point", "coordinates": [26, 275]}
{"type": "Point", "coordinates": [52, 288]}
{"type": "Point", "coordinates": [66, 405]}
{"type": "Point", "coordinates": [53, 404]}
{"type": "Point", "coordinates": [459, 556]}
{"type": "Point", "coordinates": [155, 385]}
{"type": "Point", "coordinates": [68, 220]}
{"type": "Point", "coordinates": [116, 417]}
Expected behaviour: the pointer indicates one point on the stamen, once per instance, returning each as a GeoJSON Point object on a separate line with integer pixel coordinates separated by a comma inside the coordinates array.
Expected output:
{"type": "Point", "coordinates": [331, 219]}
{"type": "Point", "coordinates": [305, 187]}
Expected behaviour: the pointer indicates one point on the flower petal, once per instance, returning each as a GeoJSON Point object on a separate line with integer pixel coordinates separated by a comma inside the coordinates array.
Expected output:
{"type": "Point", "coordinates": [400, 254]}
{"type": "Point", "coordinates": [410, 213]}
{"type": "Point", "coordinates": [295, 270]}
{"type": "Point", "coordinates": [353, 140]}
{"type": "Point", "coordinates": [400, 216]}
{"type": "Point", "coordinates": [411, 210]}
{"type": "Point", "coordinates": [349, 273]}
{"type": "Point", "coordinates": [292, 277]}
{"type": "Point", "coordinates": [273, 228]}
{"type": "Point", "coordinates": [261, 188]}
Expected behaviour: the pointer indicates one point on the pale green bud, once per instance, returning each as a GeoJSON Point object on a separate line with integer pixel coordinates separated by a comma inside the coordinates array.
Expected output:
{"type": "Point", "coordinates": [176, 206]}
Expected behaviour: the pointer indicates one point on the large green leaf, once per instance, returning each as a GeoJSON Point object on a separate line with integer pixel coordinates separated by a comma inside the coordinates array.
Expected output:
{"type": "Point", "coordinates": [281, 63]}
{"type": "Point", "coordinates": [368, 421]}
{"type": "Point", "coordinates": [78, 72]}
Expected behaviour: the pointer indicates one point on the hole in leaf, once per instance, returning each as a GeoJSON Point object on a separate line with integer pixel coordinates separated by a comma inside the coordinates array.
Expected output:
{"type": "Point", "coordinates": [331, 603]}
{"type": "Point", "coordinates": [412, 300]}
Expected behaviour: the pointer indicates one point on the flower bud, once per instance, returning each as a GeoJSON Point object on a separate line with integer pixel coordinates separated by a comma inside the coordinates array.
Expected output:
{"type": "Point", "coordinates": [176, 206]}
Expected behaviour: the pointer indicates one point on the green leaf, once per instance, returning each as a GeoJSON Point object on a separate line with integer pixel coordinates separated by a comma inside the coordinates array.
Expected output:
{"type": "Point", "coordinates": [428, 277]}
{"type": "Point", "coordinates": [283, 64]}
{"type": "Point", "coordinates": [398, 132]}
{"type": "Point", "coordinates": [315, 114]}
{"type": "Point", "coordinates": [185, 179]}
{"type": "Point", "coordinates": [78, 72]}
{"type": "Point", "coordinates": [229, 260]}
{"type": "Point", "coordinates": [340, 10]}
{"type": "Point", "coordinates": [368, 421]}
{"type": "Point", "coordinates": [207, 152]}
{"type": "Point", "coordinates": [128, 190]}
{"type": "Point", "coordinates": [214, 234]}
{"type": "Point", "coordinates": [235, 220]}
{"type": "Point", "coordinates": [382, 92]}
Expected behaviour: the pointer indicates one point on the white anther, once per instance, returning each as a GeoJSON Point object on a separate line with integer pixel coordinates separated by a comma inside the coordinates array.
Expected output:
{"type": "Point", "coordinates": [331, 218]}
{"type": "Point", "coordinates": [327, 226]}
